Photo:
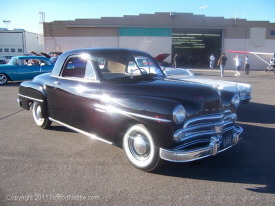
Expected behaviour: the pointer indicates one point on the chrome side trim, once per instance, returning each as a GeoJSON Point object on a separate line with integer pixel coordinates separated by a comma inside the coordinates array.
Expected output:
{"type": "Point", "coordinates": [212, 149]}
{"type": "Point", "coordinates": [81, 131]}
{"type": "Point", "coordinates": [148, 117]}
{"type": "Point", "coordinates": [34, 99]}
{"type": "Point", "coordinates": [104, 108]}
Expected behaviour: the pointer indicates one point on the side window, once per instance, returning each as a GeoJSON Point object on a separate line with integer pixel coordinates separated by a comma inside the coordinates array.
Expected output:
{"type": "Point", "coordinates": [43, 62]}
{"type": "Point", "coordinates": [74, 67]}
{"type": "Point", "coordinates": [90, 71]}
{"type": "Point", "coordinates": [33, 62]}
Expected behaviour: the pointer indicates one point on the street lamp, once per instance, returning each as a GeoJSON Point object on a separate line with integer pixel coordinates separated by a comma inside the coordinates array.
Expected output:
{"type": "Point", "coordinates": [7, 22]}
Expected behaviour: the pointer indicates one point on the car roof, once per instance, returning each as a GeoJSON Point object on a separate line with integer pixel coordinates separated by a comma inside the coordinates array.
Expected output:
{"type": "Point", "coordinates": [31, 57]}
{"type": "Point", "coordinates": [94, 51]}
{"type": "Point", "coordinates": [107, 49]}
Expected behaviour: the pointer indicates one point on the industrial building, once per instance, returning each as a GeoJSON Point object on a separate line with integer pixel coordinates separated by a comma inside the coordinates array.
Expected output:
{"type": "Point", "coordinates": [19, 42]}
{"type": "Point", "coordinates": [193, 37]}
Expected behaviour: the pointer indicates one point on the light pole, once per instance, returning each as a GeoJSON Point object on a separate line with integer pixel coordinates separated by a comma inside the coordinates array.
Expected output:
{"type": "Point", "coordinates": [7, 22]}
{"type": "Point", "coordinates": [41, 21]}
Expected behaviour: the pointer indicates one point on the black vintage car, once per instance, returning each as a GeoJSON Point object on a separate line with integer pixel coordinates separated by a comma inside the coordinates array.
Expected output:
{"type": "Point", "coordinates": [122, 97]}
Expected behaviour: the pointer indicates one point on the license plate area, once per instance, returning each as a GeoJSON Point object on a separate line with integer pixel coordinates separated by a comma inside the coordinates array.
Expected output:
{"type": "Point", "coordinates": [227, 141]}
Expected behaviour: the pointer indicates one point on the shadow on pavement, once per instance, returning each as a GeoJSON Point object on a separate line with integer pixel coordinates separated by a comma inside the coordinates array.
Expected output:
{"type": "Point", "coordinates": [252, 161]}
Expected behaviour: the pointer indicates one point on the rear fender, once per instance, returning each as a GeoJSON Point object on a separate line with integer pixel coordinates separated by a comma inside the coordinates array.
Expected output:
{"type": "Point", "coordinates": [30, 92]}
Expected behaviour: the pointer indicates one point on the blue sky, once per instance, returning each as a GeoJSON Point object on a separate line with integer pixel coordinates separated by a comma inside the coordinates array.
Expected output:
{"type": "Point", "coordinates": [25, 13]}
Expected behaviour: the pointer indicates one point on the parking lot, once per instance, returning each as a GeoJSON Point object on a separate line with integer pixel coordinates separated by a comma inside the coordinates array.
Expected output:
{"type": "Point", "coordinates": [61, 167]}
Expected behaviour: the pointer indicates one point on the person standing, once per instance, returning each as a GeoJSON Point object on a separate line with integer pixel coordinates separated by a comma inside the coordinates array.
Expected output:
{"type": "Point", "coordinates": [246, 65]}
{"type": "Point", "coordinates": [222, 61]}
{"type": "Point", "coordinates": [175, 60]}
{"type": "Point", "coordinates": [212, 61]}
{"type": "Point", "coordinates": [238, 63]}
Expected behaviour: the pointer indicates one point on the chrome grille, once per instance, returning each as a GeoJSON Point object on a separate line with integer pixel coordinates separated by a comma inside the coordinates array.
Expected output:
{"type": "Point", "coordinates": [205, 125]}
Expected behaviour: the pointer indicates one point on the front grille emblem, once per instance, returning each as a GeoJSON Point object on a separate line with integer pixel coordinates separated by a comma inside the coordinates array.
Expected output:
{"type": "Point", "coordinates": [218, 128]}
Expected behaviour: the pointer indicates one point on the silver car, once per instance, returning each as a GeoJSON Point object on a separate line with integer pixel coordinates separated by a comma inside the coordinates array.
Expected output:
{"type": "Point", "coordinates": [243, 89]}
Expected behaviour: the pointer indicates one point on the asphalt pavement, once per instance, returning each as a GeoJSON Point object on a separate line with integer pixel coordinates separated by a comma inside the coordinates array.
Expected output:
{"type": "Point", "coordinates": [60, 167]}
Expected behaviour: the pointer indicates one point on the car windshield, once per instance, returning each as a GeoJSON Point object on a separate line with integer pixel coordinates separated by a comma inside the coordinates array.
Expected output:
{"type": "Point", "coordinates": [126, 66]}
{"type": "Point", "coordinates": [13, 61]}
{"type": "Point", "coordinates": [171, 72]}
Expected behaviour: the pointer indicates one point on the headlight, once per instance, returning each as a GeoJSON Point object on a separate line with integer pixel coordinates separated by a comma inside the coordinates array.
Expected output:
{"type": "Point", "coordinates": [235, 101]}
{"type": "Point", "coordinates": [179, 114]}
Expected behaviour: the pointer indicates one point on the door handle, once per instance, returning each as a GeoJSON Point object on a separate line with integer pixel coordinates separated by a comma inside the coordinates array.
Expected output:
{"type": "Point", "coordinates": [56, 82]}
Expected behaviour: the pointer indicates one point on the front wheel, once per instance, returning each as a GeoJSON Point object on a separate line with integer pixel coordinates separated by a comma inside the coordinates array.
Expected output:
{"type": "Point", "coordinates": [268, 68]}
{"type": "Point", "coordinates": [3, 79]}
{"type": "Point", "coordinates": [140, 148]}
{"type": "Point", "coordinates": [37, 116]}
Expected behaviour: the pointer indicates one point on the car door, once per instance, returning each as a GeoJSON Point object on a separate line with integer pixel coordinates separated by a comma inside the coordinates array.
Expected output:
{"type": "Point", "coordinates": [27, 69]}
{"type": "Point", "coordinates": [45, 66]}
{"type": "Point", "coordinates": [75, 93]}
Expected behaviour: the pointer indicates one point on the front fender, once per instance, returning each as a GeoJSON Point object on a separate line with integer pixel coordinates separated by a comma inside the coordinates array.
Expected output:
{"type": "Point", "coordinates": [156, 114]}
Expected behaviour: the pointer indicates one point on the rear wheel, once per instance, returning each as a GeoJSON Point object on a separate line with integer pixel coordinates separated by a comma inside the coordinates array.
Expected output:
{"type": "Point", "coordinates": [37, 116]}
{"type": "Point", "coordinates": [140, 148]}
{"type": "Point", "coordinates": [3, 79]}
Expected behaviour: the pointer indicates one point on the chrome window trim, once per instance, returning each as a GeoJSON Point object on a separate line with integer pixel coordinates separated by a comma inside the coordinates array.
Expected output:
{"type": "Point", "coordinates": [81, 131]}
{"type": "Point", "coordinates": [31, 98]}
{"type": "Point", "coordinates": [84, 80]}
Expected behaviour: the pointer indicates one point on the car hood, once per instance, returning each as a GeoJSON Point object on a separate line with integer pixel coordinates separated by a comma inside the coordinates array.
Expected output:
{"type": "Point", "coordinates": [219, 84]}
{"type": "Point", "coordinates": [194, 96]}
{"type": "Point", "coordinates": [161, 57]}
{"type": "Point", "coordinates": [3, 67]}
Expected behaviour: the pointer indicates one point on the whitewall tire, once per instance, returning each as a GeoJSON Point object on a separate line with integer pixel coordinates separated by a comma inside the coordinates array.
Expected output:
{"type": "Point", "coordinates": [140, 148]}
{"type": "Point", "coordinates": [37, 116]}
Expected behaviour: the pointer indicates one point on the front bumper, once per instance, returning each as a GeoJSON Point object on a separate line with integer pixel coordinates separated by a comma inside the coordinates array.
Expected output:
{"type": "Point", "coordinates": [217, 144]}
{"type": "Point", "coordinates": [245, 100]}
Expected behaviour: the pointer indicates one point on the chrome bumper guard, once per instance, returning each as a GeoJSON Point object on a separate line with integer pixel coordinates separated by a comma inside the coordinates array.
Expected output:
{"type": "Point", "coordinates": [214, 147]}
{"type": "Point", "coordinates": [19, 103]}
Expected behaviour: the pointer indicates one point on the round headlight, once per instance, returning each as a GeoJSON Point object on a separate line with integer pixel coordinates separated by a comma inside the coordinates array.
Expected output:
{"type": "Point", "coordinates": [235, 101]}
{"type": "Point", "coordinates": [179, 114]}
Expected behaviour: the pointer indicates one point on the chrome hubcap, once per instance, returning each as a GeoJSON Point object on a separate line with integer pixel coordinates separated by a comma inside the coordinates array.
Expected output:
{"type": "Point", "coordinates": [37, 113]}
{"type": "Point", "coordinates": [3, 79]}
{"type": "Point", "coordinates": [139, 145]}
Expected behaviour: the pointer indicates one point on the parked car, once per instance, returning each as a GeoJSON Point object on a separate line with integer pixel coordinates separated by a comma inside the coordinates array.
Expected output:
{"type": "Point", "coordinates": [7, 58]}
{"type": "Point", "coordinates": [244, 90]}
{"type": "Point", "coordinates": [21, 68]}
{"type": "Point", "coordinates": [2, 60]}
{"type": "Point", "coordinates": [154, 118]}
{"type": "Point", "coordinates": [160, 59]}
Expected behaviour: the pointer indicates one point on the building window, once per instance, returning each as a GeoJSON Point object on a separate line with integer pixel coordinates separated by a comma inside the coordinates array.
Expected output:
{"type": "Point", "coordinates": [20, 50]}
{"type": "Point", "coordinates": [12, 50]}
{"type": "Point", "coordinates": [272, 33]}
{"type": "Point", "coordinates": [1, 50]}
{"type": "Point", "coordinates": [6, 50]}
